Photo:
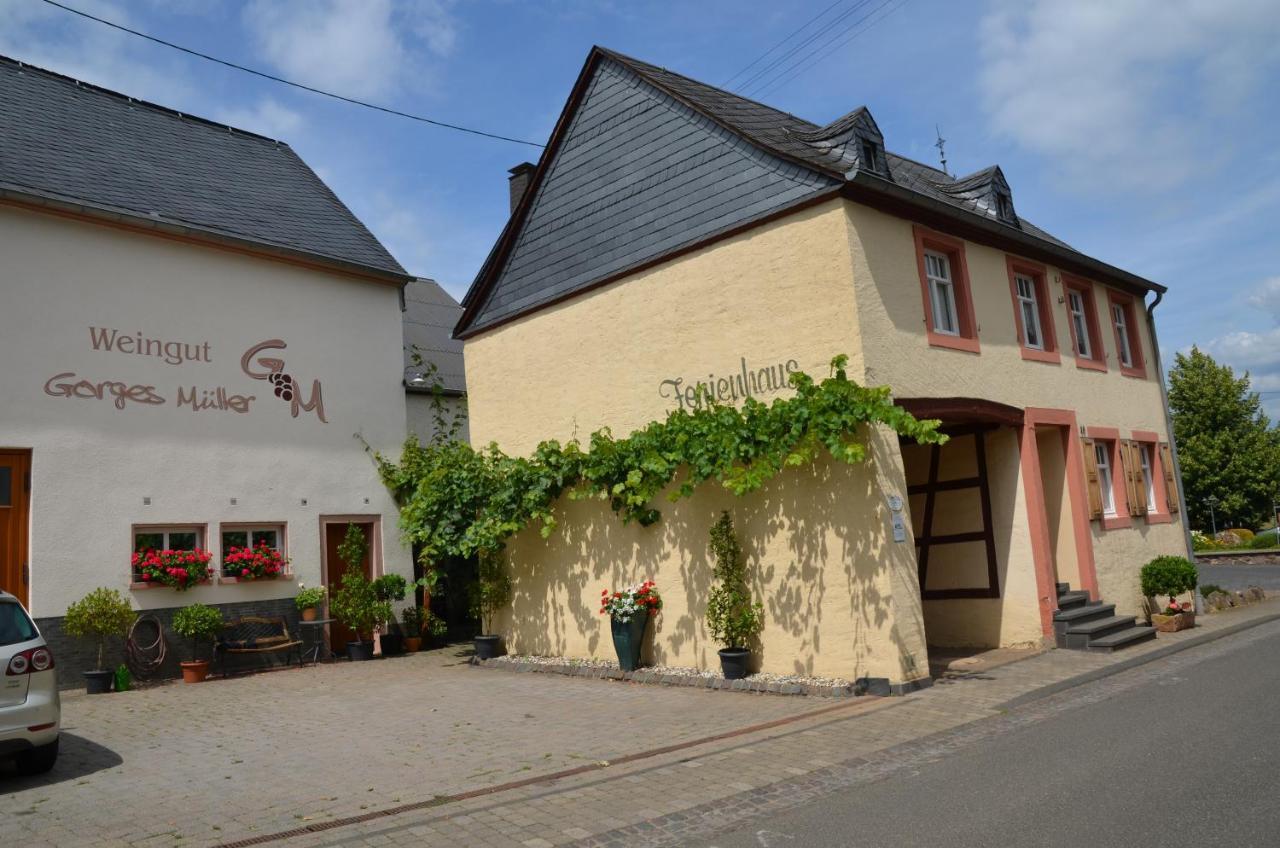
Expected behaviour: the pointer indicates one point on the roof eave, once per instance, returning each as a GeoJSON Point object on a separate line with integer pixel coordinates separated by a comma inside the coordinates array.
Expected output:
{"type": "Point", "coordinates": [215, 238]}
{"type": "Point", "coordinates": [876, 191]}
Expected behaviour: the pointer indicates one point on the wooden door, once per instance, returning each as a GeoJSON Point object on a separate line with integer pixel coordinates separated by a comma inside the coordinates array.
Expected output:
{"type": "Point", "coordinates": [339, 633]}
{"type": "Point", "coordinates": [15, 502]}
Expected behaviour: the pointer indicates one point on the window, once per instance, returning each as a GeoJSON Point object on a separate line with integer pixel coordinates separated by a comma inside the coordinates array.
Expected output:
{"type": "Point", "coordinates": [1029, 309]}
{"type": "Point", "coordinates": [942, 293]}
{"type": "Point", "coordinates": [238, 536]}
{"type": "Point", "coordinates": [165, 539]}
{"type": "Point", "coordinates": [1148, 480]}
{"type": "Point", "coordinates": [1003, 209]}
{"type": "Point", "coordinates": [1102, 451]}
{"type": "Point", "coordinates": [1083, 321]}
{"type": "Point", "coordinates": [1128, 342]}
{"type": "Point", "coordinates": [1122, 335]}
{"type": "Point", "coordinates": [944, 288]}
{"type": "Point", "coordinates": [1080, 323]}
{"type": "Point", "coordinates": [869, 155]}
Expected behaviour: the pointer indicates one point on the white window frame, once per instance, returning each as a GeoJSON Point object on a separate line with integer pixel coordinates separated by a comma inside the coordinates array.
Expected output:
{"type": "Point", "coordinates": [1121, 321]}
{"type": "Point", "coordinates": [942, 293]}
{"type": "Point", "coordinates": [282, 540]}
{"type": "Point", "coordinates": [1080, 321]}
{"type": "Point", "coordinates": [1148, 478]}
{"type": "Point", "coordinates": [1106, 485]}
{"type": "Point", "coordinates": [1029, 304]}
{"type": "Point", "coordinates": [166, 530]}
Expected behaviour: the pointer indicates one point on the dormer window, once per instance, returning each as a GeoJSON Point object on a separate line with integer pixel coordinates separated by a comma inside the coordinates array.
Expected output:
{"type": "Point", "coordinates": [1004, 208]}
{"type": "Point", "coordinates": [869, 155]}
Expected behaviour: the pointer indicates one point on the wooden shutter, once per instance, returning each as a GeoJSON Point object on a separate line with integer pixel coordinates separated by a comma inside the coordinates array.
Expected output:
{"type": "Point", "coordinates": [1170, 482]}
{"type": "Point", "coordinates": [1091, 478]}
{"type": "Point", "coordinates": [1137, 483]}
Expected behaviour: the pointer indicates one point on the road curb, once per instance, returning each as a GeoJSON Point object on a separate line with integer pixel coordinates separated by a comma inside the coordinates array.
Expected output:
{"type": "Point", "coordinates": [1134, 662]}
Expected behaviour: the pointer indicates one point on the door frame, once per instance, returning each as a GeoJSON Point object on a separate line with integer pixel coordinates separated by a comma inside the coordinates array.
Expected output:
{"type": "Point", "coordinates": [23, 523]}
{"type": "Point", "coordinates": [375, 551]}
{"type": "Point", "coordinates": [1037, 512]}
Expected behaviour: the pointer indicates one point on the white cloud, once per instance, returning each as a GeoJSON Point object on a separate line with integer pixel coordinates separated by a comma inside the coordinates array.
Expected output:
{"type": "Point", "coordinates": [48, 37]}
{"type": "Point", "coordinates": [357, 48]}
{"type": "Point", "coordinates": [1124, 95]}
{"type": "Point", "coordinates": [1267, 297]}
{"type": "Point", "coordinates": [266, 117]}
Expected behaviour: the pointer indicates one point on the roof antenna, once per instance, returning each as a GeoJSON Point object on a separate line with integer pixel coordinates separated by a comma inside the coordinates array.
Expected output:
{"type": "Point", "coordinates": [942, 150]}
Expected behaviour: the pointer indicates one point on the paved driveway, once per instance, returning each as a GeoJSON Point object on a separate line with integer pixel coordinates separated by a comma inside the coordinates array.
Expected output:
{"type": "Point", "coordinates": [225, 760]}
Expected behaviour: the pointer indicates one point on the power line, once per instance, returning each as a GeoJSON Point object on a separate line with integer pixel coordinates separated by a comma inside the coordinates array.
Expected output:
{"type": "Point", "coordinates": [284, 81]}
{"type": "Point", "coordinates": [815, 58]}
{"type": "Point", "coordinates": [766, 53]}
{"type": "Point", "coordinates": [762, 74]}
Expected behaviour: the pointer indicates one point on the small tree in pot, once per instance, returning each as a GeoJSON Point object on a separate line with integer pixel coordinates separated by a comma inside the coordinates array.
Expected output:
{"type": "Point", "coordinates": [1169, 575]}
{"type": "Point", "coordinates": [196, 622]}
{"type": "Point", "coordinates": [99, 614]}
{"type": "Point", "coordinates": [490, 592]}
{"type": "Point", "coordinates": [356, 604]}
{"type": "Point", "coordinates": [734, 621]}
{"type": "Point", "coordinates": [389, 588]}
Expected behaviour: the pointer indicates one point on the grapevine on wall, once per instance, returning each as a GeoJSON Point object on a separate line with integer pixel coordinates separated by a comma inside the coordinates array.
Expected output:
{"type": "Point", "coordinates": [456, 500]}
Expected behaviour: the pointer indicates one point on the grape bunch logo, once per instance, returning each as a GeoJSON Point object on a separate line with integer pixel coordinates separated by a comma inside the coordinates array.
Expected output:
{"type": "Point", "coordinates": [283, 384]}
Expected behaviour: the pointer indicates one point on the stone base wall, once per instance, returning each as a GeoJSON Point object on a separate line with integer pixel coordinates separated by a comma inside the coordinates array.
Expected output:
{"type": "Point", "coordinates": [73, 656]}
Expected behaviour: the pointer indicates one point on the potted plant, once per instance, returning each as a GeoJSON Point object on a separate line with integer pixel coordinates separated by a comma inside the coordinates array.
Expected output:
{"type": "Point", "coordinates": [177, 569]}
{"type": "Point", "coordinates": [490, 592]}
{"type": "Point", "coordinates": [1169, 575]}
{"type": "Point", "coordinates": [258, 563]}
{"type": "Point", "coordinates": [99, 614]}
{"type": "Point", "coordinates": [356, 605]}
{"type": "Point", "coordinates": [734, 621]}
{"type": "Point", "coordinates": [390, 588]}
{"type": "Point", "coordinates": [196, 622]}
{"type": "Point", "coordinates": [414, 619]}
{"type": "Point", "coordinates": [629, 611]}
{"type": "Point", "coordinates": [308, 600]}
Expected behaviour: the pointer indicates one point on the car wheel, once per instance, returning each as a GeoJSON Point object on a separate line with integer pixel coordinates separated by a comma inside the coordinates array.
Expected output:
{"type": "Point", "coordinates": [38, 760]}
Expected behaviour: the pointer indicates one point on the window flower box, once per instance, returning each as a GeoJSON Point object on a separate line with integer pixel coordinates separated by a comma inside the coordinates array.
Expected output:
{"type": "Point", "coordinates": [261, 562]}
{"type": "Point", "coordinates": [176, 569]}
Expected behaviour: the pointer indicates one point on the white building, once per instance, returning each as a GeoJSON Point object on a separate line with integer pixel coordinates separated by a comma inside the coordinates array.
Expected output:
{"type": "Point", "coordinates": [198, 339]}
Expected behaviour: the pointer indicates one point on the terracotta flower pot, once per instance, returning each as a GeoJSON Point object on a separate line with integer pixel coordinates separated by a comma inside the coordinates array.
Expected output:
{"type": "Point", "coordinates": [195, 672]}
{"type": "Point", "coordinates": [412, 644]}
{"type": "Point", "coordinates": [309, 614]}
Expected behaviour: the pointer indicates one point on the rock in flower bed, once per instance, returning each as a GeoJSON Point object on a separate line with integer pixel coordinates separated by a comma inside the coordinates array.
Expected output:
{"type": "Point", "coordinates": [764, 682]}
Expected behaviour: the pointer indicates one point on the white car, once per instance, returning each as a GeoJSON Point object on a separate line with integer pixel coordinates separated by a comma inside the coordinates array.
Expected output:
{"type": "Point", "coordinates": [30, 710]}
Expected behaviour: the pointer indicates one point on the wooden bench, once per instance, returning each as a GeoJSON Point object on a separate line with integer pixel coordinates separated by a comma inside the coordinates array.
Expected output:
{"type": "Point", "coordinates": [254, 637]}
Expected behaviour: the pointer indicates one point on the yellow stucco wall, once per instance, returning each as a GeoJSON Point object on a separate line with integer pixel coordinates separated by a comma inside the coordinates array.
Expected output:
{"type": "Point", "coordinates": [896, 351]}
{"type": "Point", "coordinates": [840, 596]}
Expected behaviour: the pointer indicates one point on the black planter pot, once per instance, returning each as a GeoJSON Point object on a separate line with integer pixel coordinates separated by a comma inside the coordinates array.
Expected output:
{"type": "Point", "coordinates": [357, 651]}
{"type": "Point", "coordinates": [392, 644]}
{"type": "Point", "coordinates": [733, 662]}
{"type": "Point", "coordinates": [488, 647]}
{"type": "Point", "coordinates": [628, 637]}
{"type": "Point", "coordinates": [98, 682]}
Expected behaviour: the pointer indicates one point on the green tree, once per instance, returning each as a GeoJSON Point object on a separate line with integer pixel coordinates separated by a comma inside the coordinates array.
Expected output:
{"type": "Point", "coordinates": [1226, 445]}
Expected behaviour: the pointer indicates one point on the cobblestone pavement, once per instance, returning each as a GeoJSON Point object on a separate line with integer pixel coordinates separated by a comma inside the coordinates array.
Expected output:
{"type": "Point", "coordinates": [412, 746]}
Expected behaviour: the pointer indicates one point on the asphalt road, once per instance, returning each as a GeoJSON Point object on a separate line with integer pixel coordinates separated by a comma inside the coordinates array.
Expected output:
{"type": "Point", "coordinates": [1241, 576]}
{"type": "Point", "coordinates": [1184, 756]}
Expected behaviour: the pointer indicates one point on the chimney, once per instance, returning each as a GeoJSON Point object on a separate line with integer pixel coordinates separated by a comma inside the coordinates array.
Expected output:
{"type": "Point", "coordinates": [520, 176]}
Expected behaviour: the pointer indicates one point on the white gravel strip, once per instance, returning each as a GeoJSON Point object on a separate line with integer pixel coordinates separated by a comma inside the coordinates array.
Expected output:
{"type": "Point", "coordinates": [760, 681]}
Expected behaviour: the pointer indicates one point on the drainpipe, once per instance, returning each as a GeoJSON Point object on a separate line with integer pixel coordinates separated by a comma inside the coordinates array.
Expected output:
{"type": "Point", "coordinates": [1168, 421]}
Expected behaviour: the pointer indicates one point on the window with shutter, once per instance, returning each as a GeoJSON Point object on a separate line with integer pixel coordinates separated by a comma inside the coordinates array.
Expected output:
{"type": "Point", "coordinates": [1092, 485]}
{"type": "Point", "coordinates": [1136, 487]}
{"type": "Point", "coordinates": [1170, 482]}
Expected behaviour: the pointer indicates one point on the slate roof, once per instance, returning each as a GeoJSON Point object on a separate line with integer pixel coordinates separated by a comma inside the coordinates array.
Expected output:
{"type": "Point", "coordinates": [560, 242]}
{"type": "Point", "coordinates": [429, 315]}
{"type": "Point", "coordinates": [72, 143]}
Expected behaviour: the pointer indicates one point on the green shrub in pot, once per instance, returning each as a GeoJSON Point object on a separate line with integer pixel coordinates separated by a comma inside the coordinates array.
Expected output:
{"type": "Point", "coordinates": [99, 614]}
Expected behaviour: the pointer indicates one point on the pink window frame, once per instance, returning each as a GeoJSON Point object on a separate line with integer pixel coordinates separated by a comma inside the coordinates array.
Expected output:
{"type": "Point", "coordinates": [1125, 302]}
{"type": "Point", "coordinates": [1039, 279]}
{"type": "Point", "coordinates": [953, 248]}
{"type": "Point", "coordinates": [1097, 362]}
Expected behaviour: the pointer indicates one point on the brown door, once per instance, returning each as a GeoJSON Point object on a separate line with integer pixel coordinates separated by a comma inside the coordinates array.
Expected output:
{"type": "Point", "coordinates": [15, 502]}
{"type": "Point", "coordinates": [340, 634]}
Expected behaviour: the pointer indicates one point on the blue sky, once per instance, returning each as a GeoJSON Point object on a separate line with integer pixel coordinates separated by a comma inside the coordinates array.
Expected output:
{"type": "Point", "coordinates": [1145, 132]}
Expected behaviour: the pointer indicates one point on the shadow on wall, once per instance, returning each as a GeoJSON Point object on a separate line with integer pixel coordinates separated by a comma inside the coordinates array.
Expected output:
{"type": "Point", "coordinates": [815, 543]}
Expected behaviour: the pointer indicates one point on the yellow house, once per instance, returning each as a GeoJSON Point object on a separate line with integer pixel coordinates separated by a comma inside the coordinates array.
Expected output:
{"type": "Point", "coordinates": [675, 237]}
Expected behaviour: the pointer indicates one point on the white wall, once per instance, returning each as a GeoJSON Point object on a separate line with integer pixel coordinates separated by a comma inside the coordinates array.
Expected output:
{"type": "Point", "coordinates": [93, 464]}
